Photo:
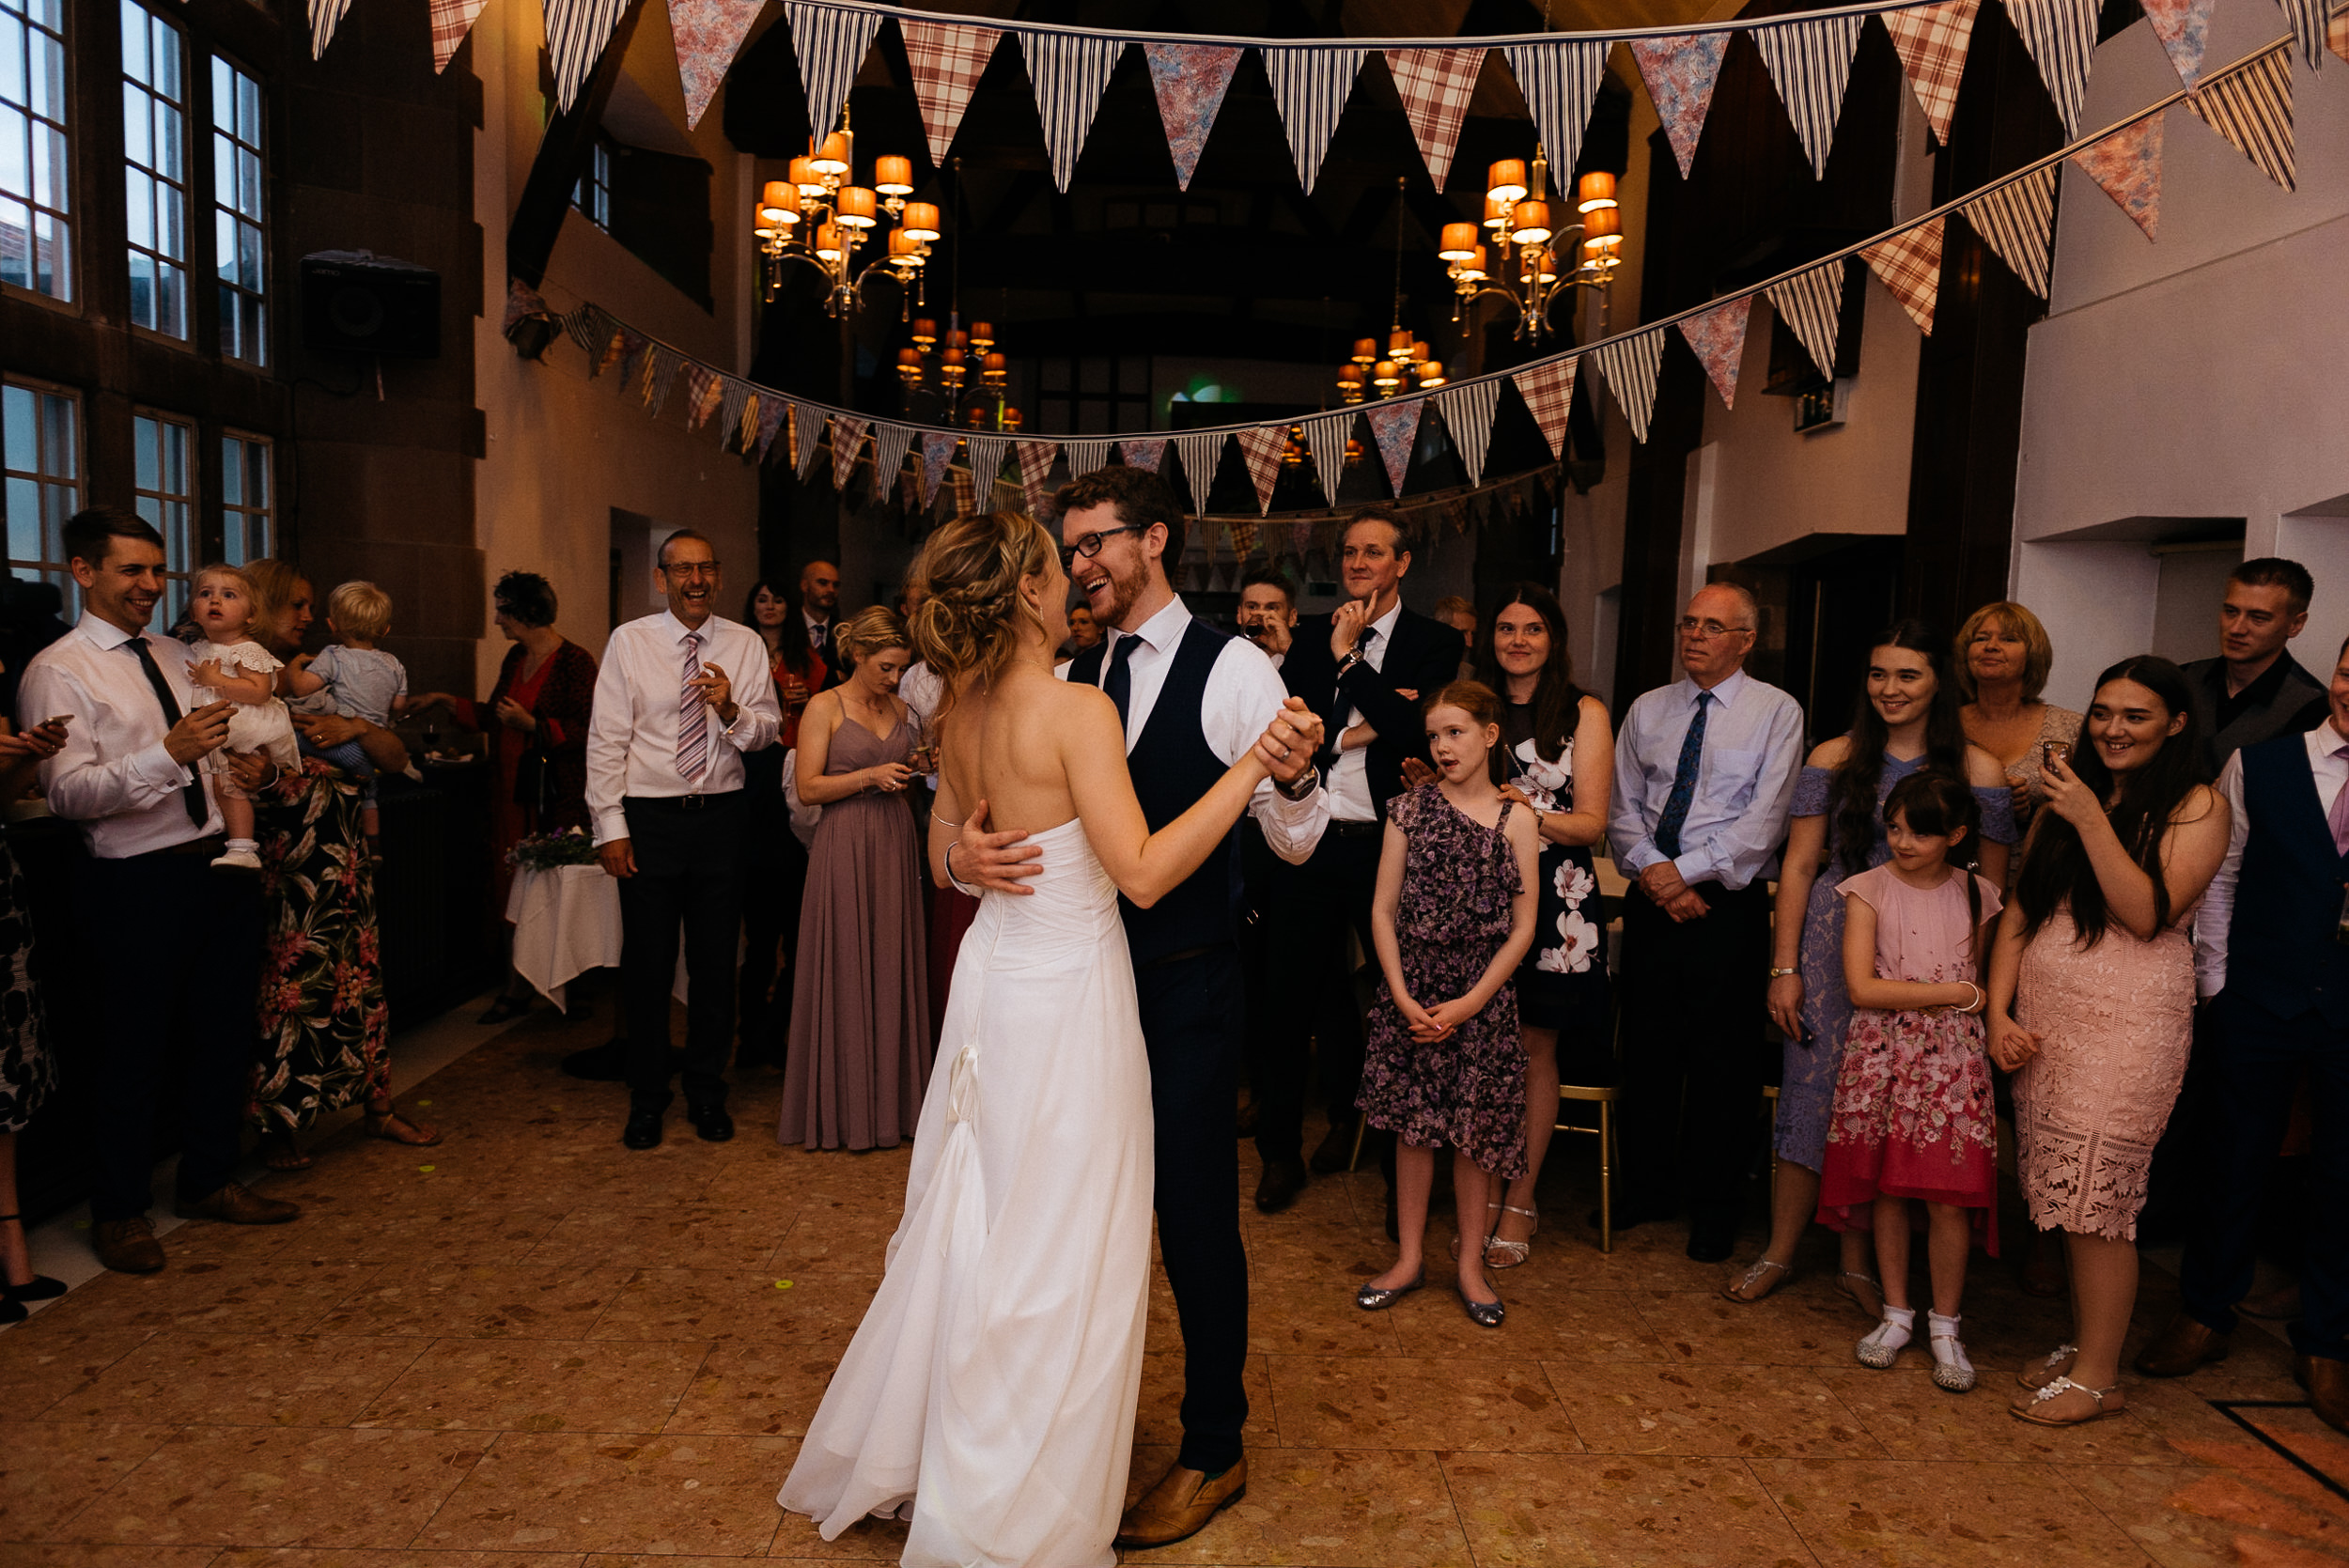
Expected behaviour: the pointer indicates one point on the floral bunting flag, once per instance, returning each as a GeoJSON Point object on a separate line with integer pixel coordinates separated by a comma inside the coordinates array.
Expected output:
{"type": "Point", "coordinates": [807, 429]}
{"type": "Point", "coordinates": [2127, 166]}
{"type": "Point", "coordinates": [1630, 365]}
{"type": "Point", "coordinates": [1931, 42]}
{"type": "Point", "coordinates": [709, 33]}
{"type": "Point", "coordinates": [847, 438]}
{"type": "Point", "coordinates": [938, 455]}
{"type": "Point", "coordinates": [2060, 36]}
{"type": "Point", "coordinates": [1680, 72]}
{"type": "Point", "coordinates": [451, 20]}
{"type": "Point", "coordinates": [948, 58]}
{"type": "Point", "coordinates": [1189, 80]}
{"type": "Point", "coordinates": [1719, 337]}
{"type": "Point", "coordinates": [2252, 109]}
{"type": "Point", "coordinates": [1810, 62]}
{"type": "Point", "coordinates": [1310, 87]}
{"type": "Point", "coordinates": [890, 442]}
{"type": "Point", "coordinates": [1910, 266]}
{"type": "Point", "coordinates": [577, 30]}
{"type": "Point", "coordinates": [831, 43]}
{"type": "Point", "coordinates": [1261, 447]}
{"type": "Point", "coordinates": [1435, 86]}
{"type": "Point", "coordinates": [1036, 458]}
{"type": "Point", "coordinates": [1560, 81]}
{"type": "Point", "coordinates": [1394, 426]}
{"type": "Point", "coordinates": [1547, 389]}
{"type": "Point", "coordinates": [1811, 305]}
{"type": "Point", "coordinates": [2183, 28]}
{"type": "Point", "coordinates": [1326, 435]}
{"type": "Point", "coordinates": [1467, 408]}
{"type": "Point", "coordinates": [1069, 72]}
{"type": "Point", "coordinates": [772, 411]}
{"type": "Point", "coordinates": [2017, 221]}
{"type": "Point", "coordinates": [1149, 454]}
{"type": "Point", "coordinates": [1202, 454]}
{"type": "Point", "coordinates": [1086, 455]}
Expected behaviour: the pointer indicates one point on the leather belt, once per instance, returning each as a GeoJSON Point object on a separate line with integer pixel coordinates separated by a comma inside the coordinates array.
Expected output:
{"type": "Point", "coordinates": [1347, 828]}
{"type": "Point", "coordinates": [680, 802]}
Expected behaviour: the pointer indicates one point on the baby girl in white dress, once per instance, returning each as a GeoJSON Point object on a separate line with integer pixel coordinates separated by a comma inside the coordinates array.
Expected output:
{"type": "Point", "coordinates": [229, 665]}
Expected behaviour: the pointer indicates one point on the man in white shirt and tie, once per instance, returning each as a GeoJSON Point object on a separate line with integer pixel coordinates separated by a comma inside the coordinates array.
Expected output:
{"type": "Point", "coordinates": [681, 696]}
{"type": "Point", "coordinates": [819, 615]}
{"type": "Point", "coordinates": [131, 775]}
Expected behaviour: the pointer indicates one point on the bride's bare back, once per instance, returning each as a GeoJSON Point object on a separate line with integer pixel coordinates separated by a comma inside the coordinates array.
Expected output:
{"type": "Point", "coordinates": [1003, 746]}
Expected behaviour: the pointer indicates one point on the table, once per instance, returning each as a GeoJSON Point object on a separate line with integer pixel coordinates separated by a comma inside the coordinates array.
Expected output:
{"type": "Point", "coordinates": [566, 920]}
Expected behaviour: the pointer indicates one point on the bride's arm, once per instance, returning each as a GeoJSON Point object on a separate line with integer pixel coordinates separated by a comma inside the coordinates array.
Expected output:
{"type": "Point", "coordinates": [1144, 865]}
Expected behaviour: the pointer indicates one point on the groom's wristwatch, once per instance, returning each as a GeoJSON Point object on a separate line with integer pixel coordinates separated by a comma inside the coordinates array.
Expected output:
{"type": "Point", "coordinates": [1301, 786]}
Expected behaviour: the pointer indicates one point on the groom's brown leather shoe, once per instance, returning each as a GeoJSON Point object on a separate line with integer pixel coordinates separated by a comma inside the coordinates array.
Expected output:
{"type": "Point", "coordinates": [2180, 1348]}
{"type": "Point", "coordinates": [1179, 1506]}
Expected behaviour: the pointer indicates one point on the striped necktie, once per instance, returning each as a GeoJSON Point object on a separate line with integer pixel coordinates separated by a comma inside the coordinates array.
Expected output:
{"type": "Point", "coordinates": [692, 715]}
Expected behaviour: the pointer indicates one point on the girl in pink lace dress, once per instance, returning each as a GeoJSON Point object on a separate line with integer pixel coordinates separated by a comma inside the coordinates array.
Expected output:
{"type": "Point", "coordinates": [1913, 1117]}
{"type": "Point", "coordinates": [2091, 1002]}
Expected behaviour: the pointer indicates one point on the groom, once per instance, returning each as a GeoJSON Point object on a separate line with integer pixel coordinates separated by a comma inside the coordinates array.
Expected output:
{"type": "Point", "coordinates": [1193, 701]}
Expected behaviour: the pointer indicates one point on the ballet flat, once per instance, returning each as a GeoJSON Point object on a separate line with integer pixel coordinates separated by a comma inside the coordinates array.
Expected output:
{"type": "Point", "coordinates": [1370, 1298]}
{"type": "Point", "coordinates": [1485, 1314]}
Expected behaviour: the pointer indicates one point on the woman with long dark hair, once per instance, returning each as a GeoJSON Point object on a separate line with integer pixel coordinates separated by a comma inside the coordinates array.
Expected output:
{"type": "Point", "coordinates": [1557, 761]}
{"type": "Point", "coordinates": [778, 862]}
{"type": "Point", "coordinates": [1904, 723]}
{"type": "Point", "coordinates": [2092, 1002]}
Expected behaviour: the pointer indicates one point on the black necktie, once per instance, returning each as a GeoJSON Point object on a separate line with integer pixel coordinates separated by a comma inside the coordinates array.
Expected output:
{"type": "Point", "coordinates": [199, 810]}
{"type": "Point", "coordinates": [1120, 685]}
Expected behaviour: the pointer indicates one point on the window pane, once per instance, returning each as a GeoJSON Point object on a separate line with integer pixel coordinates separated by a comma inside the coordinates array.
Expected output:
{"type": "Point", "coordinates": [17, 429]}
{"type": "Point", "coordinates": [154, 120]}
{"type": "Point", "coordinates": [39, 480]}
{"type": "Point", "coordinates": [240, 235]}
{"type": "Point", "coordinates": [134, 41]}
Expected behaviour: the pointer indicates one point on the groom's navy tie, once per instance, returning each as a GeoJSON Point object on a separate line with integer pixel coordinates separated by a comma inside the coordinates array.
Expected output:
{"type": "Point", "coordinates": [1683, 782]}
{"type": "Point", "coordinates": [1120, 684]}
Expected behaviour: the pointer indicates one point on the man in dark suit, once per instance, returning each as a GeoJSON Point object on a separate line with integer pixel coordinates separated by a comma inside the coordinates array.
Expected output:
{"type": "Point", "coordinates": [2254, 689]}
{"type": "Point", "coordinates": [1367, 666]}
{"type": "Point", "coordinates": [819, 616]}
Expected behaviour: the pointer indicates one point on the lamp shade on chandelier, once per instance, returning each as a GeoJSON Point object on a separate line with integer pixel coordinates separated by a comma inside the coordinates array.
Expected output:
{"type": "Point", "coordinates": [817, 217]}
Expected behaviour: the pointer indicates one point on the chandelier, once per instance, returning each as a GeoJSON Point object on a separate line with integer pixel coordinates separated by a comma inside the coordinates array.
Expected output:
{"type": "Point", "coordinates": [1527, 276]}
{"type": "Point", "coordinates": [943, 368]}
{"type": "Point", "coordinates": [1409, 363]}
{"type": "Point", "coordinates": [816, 217]}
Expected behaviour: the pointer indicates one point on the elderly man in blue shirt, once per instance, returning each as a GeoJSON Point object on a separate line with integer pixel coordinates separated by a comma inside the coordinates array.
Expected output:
{"type": "Point", "coordinates": [1704, 771]}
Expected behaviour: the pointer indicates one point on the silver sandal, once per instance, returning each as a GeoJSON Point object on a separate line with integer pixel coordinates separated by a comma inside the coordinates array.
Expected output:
{"type": "Point", "coordinates": [2060, 1387]}
{"type": "Point", "coordinates": [1515, 1252]}
{"type": "Point", "coordinates": [2054, 1365]}
{"type": "Point", "coordinates": [1956, 1376]}
{"type": "Point", "coordinates": [1759, 1270]}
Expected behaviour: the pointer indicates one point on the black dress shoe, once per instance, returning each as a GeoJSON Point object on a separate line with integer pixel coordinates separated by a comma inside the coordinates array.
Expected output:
{"type": "Point", "coordinates": [1336, 1151]}
{"type": "Point", "coordinates": [1283, 1179]}
{"type": "Point", "coordinates": [644, 1127]}
{"type": "Point", "coordinates": [711, 1124]}
{"type": "Point", "coordinates": [1712, 1238]}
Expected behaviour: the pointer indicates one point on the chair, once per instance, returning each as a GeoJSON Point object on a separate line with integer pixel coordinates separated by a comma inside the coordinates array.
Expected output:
{"type": "Point", "coordinates": [1610, 1152]}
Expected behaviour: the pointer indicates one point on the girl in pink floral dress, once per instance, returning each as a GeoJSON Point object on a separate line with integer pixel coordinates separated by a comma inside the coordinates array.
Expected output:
{"type": "Point", "coordinates": [1913, 1112]}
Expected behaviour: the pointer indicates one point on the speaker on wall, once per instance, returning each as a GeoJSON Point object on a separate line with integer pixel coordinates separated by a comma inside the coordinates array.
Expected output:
{"type": "Point", "coordinates": [361, 302]}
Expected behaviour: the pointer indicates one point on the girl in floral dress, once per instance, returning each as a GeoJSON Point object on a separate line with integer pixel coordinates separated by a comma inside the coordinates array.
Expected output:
{"type": "Point", "coordinates": [1913, 1117]}
{"type": "Point", "coordinates": [1453, 917]}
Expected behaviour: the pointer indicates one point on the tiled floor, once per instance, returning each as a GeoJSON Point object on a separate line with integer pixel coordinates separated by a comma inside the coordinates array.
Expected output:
{"type": "Point", "coordinates": [531, 1349]}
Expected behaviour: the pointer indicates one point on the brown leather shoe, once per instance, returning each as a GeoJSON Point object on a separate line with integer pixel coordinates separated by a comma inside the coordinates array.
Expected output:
{"type": "Point", "coordinates": [2327, 1383]}
{"type": "Point", "coordinates": [1179, 1505]}
{"type": "Point", "coordinates": [2186, 1344]}
{"type": "Point", "coordinates": [127, 1246]}
{"type": "Point", "coordinates": [239, 1204]}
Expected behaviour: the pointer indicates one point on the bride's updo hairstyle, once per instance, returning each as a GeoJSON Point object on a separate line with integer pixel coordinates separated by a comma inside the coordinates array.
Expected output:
{"type": "Point", "coordinates": [972, 622]}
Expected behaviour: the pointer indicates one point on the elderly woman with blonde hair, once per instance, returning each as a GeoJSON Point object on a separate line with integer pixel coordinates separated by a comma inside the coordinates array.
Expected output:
{"type": "Point", "coordinates": [2002, 657]}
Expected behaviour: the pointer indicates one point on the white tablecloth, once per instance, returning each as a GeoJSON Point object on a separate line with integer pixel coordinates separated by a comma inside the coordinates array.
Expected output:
{"type": "Point", "coordinates": [566, 923]}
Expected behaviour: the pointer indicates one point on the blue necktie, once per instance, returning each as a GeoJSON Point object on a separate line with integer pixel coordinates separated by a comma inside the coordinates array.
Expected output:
{"type": "Point", "coordinates": [1684, 782]}
{"type": "Point", "coordinates": [1120, 685]}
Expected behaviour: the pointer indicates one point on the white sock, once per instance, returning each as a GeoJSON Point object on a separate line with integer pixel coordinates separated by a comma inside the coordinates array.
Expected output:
{"type": "Point", "coordinates": [1947, 1351]}
{"type": "Point", "coordinates": [1894, 1332]}
{"type": "Point", "coordinates": [243, 847]}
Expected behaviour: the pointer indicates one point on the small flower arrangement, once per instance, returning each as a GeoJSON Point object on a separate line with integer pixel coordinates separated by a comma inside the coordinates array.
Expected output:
{"type": "Point", "coordinates": [547, 851]}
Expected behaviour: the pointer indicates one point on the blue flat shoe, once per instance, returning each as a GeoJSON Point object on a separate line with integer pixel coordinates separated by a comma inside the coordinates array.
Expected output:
{"type": "Point", "coordinates": [1370, 1298]}
{"type": "Point", "coordinates": [1485, 1314]}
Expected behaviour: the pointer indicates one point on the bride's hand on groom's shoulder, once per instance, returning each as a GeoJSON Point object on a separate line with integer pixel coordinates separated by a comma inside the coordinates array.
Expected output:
{"type": "Point", "coordinates": [1288, 744]}
{"type": "Point", "coordinates": [995, 862]}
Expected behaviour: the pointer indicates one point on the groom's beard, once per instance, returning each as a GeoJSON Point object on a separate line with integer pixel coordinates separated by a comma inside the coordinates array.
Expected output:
{"type": "Point", "coordinates": [1125, 592]}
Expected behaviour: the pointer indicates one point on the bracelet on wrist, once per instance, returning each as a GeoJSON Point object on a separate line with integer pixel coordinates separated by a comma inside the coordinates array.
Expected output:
{"type": "Point", "coordinates": [1780, 974]}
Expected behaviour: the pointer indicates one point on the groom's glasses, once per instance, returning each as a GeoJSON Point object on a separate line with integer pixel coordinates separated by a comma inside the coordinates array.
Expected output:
{"type": "Point", "coordinates": [1089, 545]}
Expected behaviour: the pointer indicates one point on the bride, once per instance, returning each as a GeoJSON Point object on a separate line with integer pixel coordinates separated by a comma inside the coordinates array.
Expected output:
{"type": "Point", "coordinates": [988, 1395]}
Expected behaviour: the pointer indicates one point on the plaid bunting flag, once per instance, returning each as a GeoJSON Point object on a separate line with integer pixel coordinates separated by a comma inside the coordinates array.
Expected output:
{"type": "Point", "coordinates": [830, 44]}
{"type": "Point", "coordinates": [1719, 337]}
{"type": "Point", "coordinates": [1931, 42]}
{"type": "Point", "coordinates": [1810, 62]}
{"type": "Point", "coordinates": [1149, 454]}
{"type": "Point", "coordinates": [1680, 72]}
{"type": "Point", "coordinates": [848, 439]}
{"type": "Point", "coordinates": [890, 442]}
{"type": "Point", "coordinates": [1086, 455]}
{"type": "Point", "coordinates": [2060, 36]}
{"type": "Point", "coordinates": [2183, 28]}
{"type": "Point", "coordinates": [2127, 166]}
{"type": "Point", "coordinates": [772, 410]}
{"type": "Point", "coordinates": [1435, 86]}
{"type": "Point", "coordinates": [1560, 81]}
{"type": "Point", "coordinates": [1468, 411]}
{"type": "Point", "coordinates": [1036, 458]}
{"type": "Point", "coordinates": [451, 20]}
{"type": "Point", "coordinates": [1243, 533]}
{"type": "Point", "coordinates": [1326, 437]}
{"type": "Point", "coordinates": [1261, 447]}
{"type": "Point", "coordinates": [703, 389]}
{"type": "Point", "coordinates": [1811, 305]}
{"type": "Point", "coordinates": [948, 58]}
{"type": "Point", "coordinates": [1311, 87]}
{"type": "Point", "coordinates": [1547, 389]}
{"type": "Point", "coordinates": [1630, 366]}
{"type": "Point", "coordinates": [807, 428]}
{"type": "Point", "coordinates": [2252, 109]}
{"type": "Point", "coordinates": [967, 492]}
{"type": "Point", "coordinates": [709, 33]}
{"type": "Point", "coordinates": [1909, 267]}
{"type": "Point", "coordinates": [577, 30]}
{"type": "Point", "coordinates": [2017, 221]}
{"type": "Point", "coordinates": [1069, 72]}
{"type": "Point", "coordinates": [1394, 426]}
{"type": "Point", "coordinates": [1189, 81]}
{"type": "Point", "coordinates": [938, 455]}
{"type": "Point", "coordinates": [327, 15]}
{"type": "Point", "coordinates": [1202, 454]}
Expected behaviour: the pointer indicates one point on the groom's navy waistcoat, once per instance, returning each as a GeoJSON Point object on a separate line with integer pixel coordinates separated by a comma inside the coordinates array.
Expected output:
{"type": "Point", "coordinates": [2280, 951]}
{"type": "Point", "coordinates": [1173, 767]}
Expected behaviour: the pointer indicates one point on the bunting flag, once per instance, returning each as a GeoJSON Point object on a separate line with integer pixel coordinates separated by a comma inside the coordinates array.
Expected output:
{"type": "Point", "coordinates": [807, 429]}
{"type": "Point", "coordinates": [1036, 458]}
{"type": "Point", "coordinates": [587, 327]}
{"type": "Point", "coordinates": [1932, 42]}
{"type": "Point", "coordinates": [451, 20]}
{"type": "Point", "coordinates": [1148, 454]}
{"type": "Point", "coordinates": [986, 463]}
{"type": "Point", "coordinates": [2126, 165]}
{"type": "Point", "coordinates": [1560, 81]}
{"type": "Point", "coordinates": [577, 30]}
{"type": "Point", "coordinates": [1630, 365]}
{"type": "Point", "coordinates": [1468, 412]}
{"type": "Point", "coordinates": [967, 494]}
{"type": "Point", "coordinates": [1243, 534]}
{"type": "Point", "coordinates": [2336, 34]}
{"type": "Point", "coordinates": [1189, 80]}
{"type": "Point", "coordinates": [327, 15]}
{"type": "Point", "coordinates": [948, 58]}
{"type": "Point", "coordinates": [1326, 435]}
{"type": "Point", "coordinates": [772, 411]}
{"type": "Point", "coordinates": [625, 346]}
{"type": "Point", "coordinates": [1310, 87]}
{"type": "Point", "coordinates": [1069, 72]}
{"type": "Point", "coordinates": [1086, 455]}
{"type": "Point", "coordinates": [830, 44]}
{"type": "Point", "coordinates": [1394, 425]}
{"type": "Point", "coordinates": [1549, 392]}
{"type": "Point", "coordinates": [660, 371]}
{"type": "Point", "coordinates": [735, 416]}
{"type": "Point", "coordinates": [1811, 305]}
{"type": "Point", "coordinates": [1435, 86]}
{"type": "Point", "coordinates": [938, 455]}
{"type": "Point", "coordinates": [2060, 36]}
{"type": "Point", "coordinates": [1261, 447]}
{"type": "Point", "coordinates": [1680, 72]}
{"type": "Point", "coordinates": [1909, 267]}
{"type": "Point", "coordinates": [2183, 28]}
{"type": "Point", "coordinates": [702, 391]}
{"type": "Point", "coordinates": [1719, 337]}
{"type": "Point", "coordinates": [847, 436]}
{"type": "Point", "coordinates": [708, 33]}
{"type": "Point", "coordinates": [1202, 454]}
{"type": "Point", "coordinates": [2309, 27]}
{"type": "Point", "coordinates": [2252, 109]}
{"type": "Point", "coordinates": [1810, 62]}
{"type": "Point", "coordinates": [890, 444]}
{"type": "Point", "coordinates": [2017, 221]}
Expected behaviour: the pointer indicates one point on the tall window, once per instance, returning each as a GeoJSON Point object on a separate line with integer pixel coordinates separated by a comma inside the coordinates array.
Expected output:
{"type": "Point", "coordinates": [248, 524]}
{"type": "Point", "coordinates": [155, 168]}
{"type": "Point", "coordinates": [40, 460]}
{"type": "Point", "coordinates": [592, 196]}
{"type": "Point", "coordinates": [35, 235]}
{"type": "Point", "coordinates": [163, 478]}
{"type": "Point", "coordinates": [237, 211]}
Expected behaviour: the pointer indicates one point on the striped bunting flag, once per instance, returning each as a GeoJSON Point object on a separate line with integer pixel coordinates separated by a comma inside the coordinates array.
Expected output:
{"type": "Point", "coordinates": [1311, 86]}
{"type": "Point", "coordinates": [1201, 456]}
{"type": "Point", "coordinates": [1719, 337]}
{"type": "Point", "coordinates": [771, 411]}
{"type": "Point", "coordinates": [1932, 42]}
{"type": "Point", "coordinates": [451, 20]}
{"type": "Point", "coordinates": [1189, 81]}
{"type": "Point", "coordinates": [1547, 389]}
{"type": "Point", "coordinates": [2309, 27]}
{"type": "Point", "coordinates": [577, 30]}
{"type": "Point", "coordinates": [2183, 28]}
{"type": "Point", "coordinates": [1435, 86]}
{"type": "Point", "coordinates": [948, 58]}
{"type": "Point", "coordinates": [1810, 62]}
{"type": "Point", "coordinates": [2061, 37]}
{"type": "Point", "coordinates": [987, 464]}
{"type": "Point", "coordinates": [1036, 458]}
{"type": "Point", "coordinates": [2127, 166]}
{"type": "Point", "coordinates": [848, 436]}
{"type": "Point", "coordinates": [1630, 366]}
{"type": "Point", "coordinates": [1149, 454]}
{"type": "Point", "coordinates": [327, 15]}
{"type": "Point", "coordinates": [1086, 455]}
{"type": "Point", "coordinates": [1326, 435]}
{"type": "Point", "coordinates": [890, 444]}
{"type": "Point", "coordinates": [1909, 267]}
{"type": "Point", "coordinates": [1560, 80]}
{"type": "Point", "coordinates": [587, 327]}
{"type": "Point", "coordinates": [807, 428]}
{"type": "Point", "coordinates": [1069, 72]}
{"type": "Point", "coordinates": [938, 455]}
{"type": "Point", "coordinates": [2017, 221]}
{"type": "Point", "coordinates": [1467, 418]}
{"type": "Point", "coordinates": [1680, 72]}
{"type": "Point", "coordinates": [1260, 447]}
{"type": "Point", "coordinates": [734, 414]}
{"type": "Point", "coordinates": [1394, 426]}
{"type": "Point", "coordinates": [2252, 109]}
{"type": "Point", "coordinates": [1811, 305]}
{"type": "Point", "coordinates": [661, 370]}
{"type": "Point", "coordinates": [831, 43]}
{"type": "Point", "coordinates": [709, 33]}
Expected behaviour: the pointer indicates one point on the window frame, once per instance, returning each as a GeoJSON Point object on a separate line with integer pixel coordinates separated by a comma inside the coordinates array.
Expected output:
{"type": "Point", "coordinates": [225, 196]}
{"type": "Point", "coordinates": [595, 180]}
{"type": "Point", "coordinates": [56, 570]}
{"type": "Point", "coordinates": [180, 187]}
{"type": "Point", "coordinates": [187, 543]}
{"type": "Point", "coordinates": [60, 123]}
{"type": "Point", "coordinates": [239, 517]}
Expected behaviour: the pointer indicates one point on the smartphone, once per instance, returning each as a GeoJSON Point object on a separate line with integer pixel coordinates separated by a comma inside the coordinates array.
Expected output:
{"type": "Point", "coordinates": [2057, 751]}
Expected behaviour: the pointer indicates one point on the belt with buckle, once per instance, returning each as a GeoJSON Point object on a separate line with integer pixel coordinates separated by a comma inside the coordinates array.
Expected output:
{"type": "Point", "coordinates": [1347, 828]}
{"type": "Point", "coordinates": [681, 802]}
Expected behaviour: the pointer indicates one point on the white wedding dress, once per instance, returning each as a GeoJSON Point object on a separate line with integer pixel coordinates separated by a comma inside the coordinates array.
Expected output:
{"type": "Point", "coordinates": [992, 1385]}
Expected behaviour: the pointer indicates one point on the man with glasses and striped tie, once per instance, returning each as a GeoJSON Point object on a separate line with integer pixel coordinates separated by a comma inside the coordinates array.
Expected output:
{"type": "Point", "coordinates": [681, 696]}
